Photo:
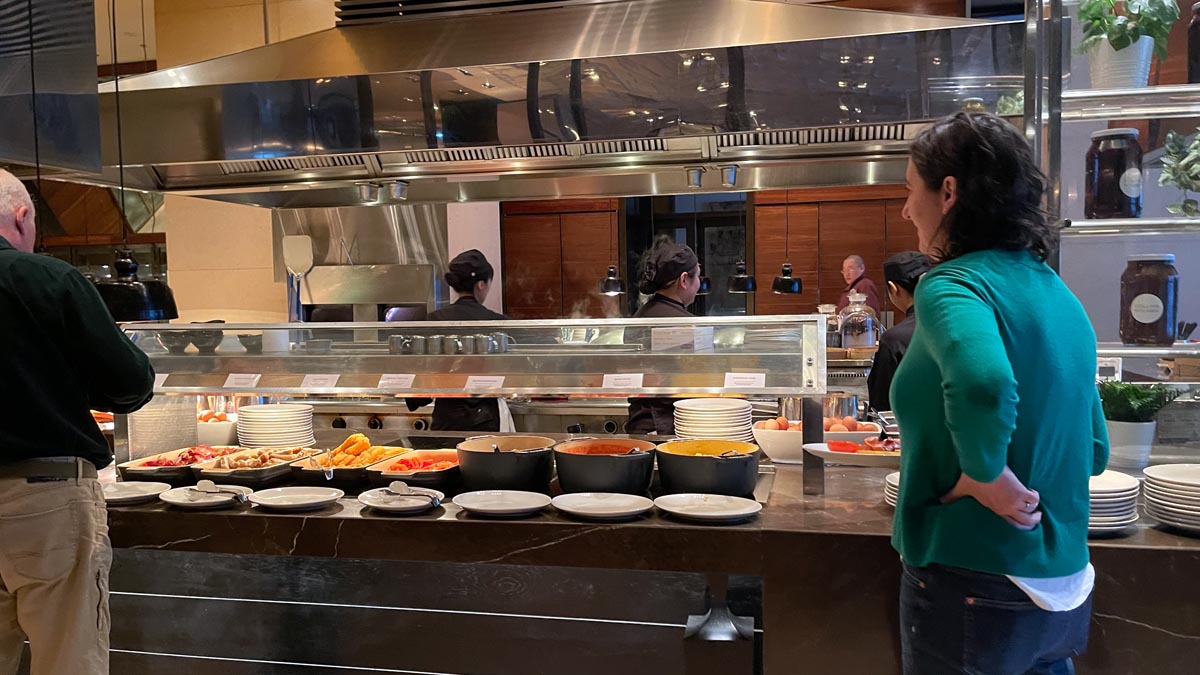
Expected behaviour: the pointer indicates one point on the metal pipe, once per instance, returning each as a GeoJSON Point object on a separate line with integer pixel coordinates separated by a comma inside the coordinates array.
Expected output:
{"type": "Point", "coordinates": [266, 24]}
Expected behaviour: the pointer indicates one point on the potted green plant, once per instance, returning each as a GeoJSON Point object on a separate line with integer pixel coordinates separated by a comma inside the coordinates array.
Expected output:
{"type": "Point", "coordinates": [1120, 37]}
{"type": "Point", "coordinates": [1129, 411]}
{"type": "Point", "coordinates": [1181, 168]}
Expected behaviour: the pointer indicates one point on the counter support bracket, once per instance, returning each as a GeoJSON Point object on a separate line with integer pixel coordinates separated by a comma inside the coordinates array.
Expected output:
{"type": "Point", "coordinates": [814, 432]}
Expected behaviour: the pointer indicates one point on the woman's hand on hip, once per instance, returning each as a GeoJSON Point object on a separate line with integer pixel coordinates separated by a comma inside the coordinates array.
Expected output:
{"type": "Point", "coordinates": [1005, 496]}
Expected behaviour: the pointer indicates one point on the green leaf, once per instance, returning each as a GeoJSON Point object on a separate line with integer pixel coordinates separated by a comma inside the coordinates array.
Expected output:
{"type": "Point", "coordinates": [1177, 209]}
{"type": "Point", "coordinates": [1128, 402]}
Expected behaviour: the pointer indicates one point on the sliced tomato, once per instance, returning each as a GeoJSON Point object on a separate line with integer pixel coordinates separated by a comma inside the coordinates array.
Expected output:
{"type": "Point", "coordinates": [842, 446]}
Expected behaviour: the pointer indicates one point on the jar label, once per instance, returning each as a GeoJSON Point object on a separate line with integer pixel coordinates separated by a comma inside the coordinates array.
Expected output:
{"type": "Point", "coordinates": [1146, 308]}
{"type": "Point", "coordinates": [1131, 183]}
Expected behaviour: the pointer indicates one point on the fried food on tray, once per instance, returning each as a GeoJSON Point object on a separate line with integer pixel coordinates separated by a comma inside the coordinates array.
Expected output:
{"type": "Point", "coordinates": [357, 451]}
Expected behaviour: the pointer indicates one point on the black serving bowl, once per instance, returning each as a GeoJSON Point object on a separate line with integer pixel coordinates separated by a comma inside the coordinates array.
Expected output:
{"type": "Point", "coordinates": [207, 340]}
{"type": "Point", "coordinates": [709, 467]}
{"type": "Point", "coordinates": [507, 463]}
{"type": "Point", "coordinates": [252, 343]}
{"type": "Point", "coordinates": [610, 465]}
{"type": "Point", "coordinates": [174, 341]}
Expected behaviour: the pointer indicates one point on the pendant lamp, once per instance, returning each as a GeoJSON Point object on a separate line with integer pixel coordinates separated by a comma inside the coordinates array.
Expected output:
{"type": "Point", "coordinates": [612, 285]}
{"type": "Point", "coordinates": [127, 297]}
{"type": "Point", "coordinates": [705, 286]}
{"type": "Point", "coordinates": [785, 283]}
{"type": "Point", "coordinates": [741, 281]}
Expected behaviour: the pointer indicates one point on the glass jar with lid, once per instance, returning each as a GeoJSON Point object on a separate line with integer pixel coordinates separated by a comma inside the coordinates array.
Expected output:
{"type": "Point", "coordinates": [1149, 300]}
{"type": "Point", "coordinates": [1113, 183]}
{"type": "Point", "coordinates": [859, 327]}
{"type": "Point", "coordinates": [833, 336]}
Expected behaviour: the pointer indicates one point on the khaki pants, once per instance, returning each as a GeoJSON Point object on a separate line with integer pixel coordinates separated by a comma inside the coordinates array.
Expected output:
{"type": "Point", "coordinates": [54, 563]}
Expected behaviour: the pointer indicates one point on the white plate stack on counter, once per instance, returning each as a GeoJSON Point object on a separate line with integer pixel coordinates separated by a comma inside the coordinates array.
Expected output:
{"type": "Point", "coordinates": [1172, 494]}
{"type": "Point", "coordinates": [1113, 497]}
{"type": "Point", "coordinates": [724, 418]}
{"type": "Point", "coordinates": [280, 425]}
{"type": "Point", "coordinates": [891, 488]}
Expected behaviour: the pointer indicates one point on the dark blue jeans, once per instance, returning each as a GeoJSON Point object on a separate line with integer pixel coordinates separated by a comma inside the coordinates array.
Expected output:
{"type": "Point", "coordinates": [956, 621]}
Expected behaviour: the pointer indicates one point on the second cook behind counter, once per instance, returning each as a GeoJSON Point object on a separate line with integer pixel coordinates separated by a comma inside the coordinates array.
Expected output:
{"type": "Point", "coordinates": [671, 275]}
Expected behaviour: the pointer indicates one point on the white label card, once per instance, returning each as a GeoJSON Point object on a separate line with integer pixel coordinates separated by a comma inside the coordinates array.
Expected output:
{"type": "Point", "coordinates": [485, 382]}
{"type": "Point", "coordinates": [242, 380]}
{"type": "Point", "coordinates": [745, 380]}
{"type": "Point", "coordinates": [623, 381]}
{"type": "Point", "coordinates": [397, 381]}
{"type": "Point", "coordinates": [320, 381]}
{"type": "Point", "coordinates": [160, 379]}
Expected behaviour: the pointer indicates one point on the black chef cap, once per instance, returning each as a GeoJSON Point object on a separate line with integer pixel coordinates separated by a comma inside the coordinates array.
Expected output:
{"type": "Point", "coordinates": [905, 269]}
{"type": "Point", "coordinates": [665, 264]}
{"type": "Point", "coordinates": [467, 269]}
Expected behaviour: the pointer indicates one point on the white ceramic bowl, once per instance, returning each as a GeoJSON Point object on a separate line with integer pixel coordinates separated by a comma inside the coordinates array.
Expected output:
{"type": "Point", "coordinates": [216, 433]}
{"type": "Point", "coordinates": [784, 447]}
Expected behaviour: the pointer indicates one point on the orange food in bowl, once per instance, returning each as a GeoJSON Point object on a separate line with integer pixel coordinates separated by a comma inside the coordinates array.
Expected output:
{"type": "Point", "coordinates": [709, 448]}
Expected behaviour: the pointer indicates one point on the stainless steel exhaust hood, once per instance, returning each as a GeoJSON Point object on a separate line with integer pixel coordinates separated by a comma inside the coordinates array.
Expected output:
{"type": "Point", "coordinates": [577, 98]}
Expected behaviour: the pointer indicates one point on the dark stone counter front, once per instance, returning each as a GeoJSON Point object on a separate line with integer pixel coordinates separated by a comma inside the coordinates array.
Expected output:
{"type": "Point", "coordinates": [829, 576]}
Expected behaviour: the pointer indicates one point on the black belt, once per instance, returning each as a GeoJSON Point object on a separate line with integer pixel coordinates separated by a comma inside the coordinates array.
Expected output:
{"type": "Point", "coordinates": [41, 468]}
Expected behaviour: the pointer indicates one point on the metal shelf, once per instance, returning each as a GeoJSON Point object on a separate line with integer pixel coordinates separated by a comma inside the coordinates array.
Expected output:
{"type": "Point", "coordinates": [1114, 349]}
{"type": "Point", "coordinates": [1132, 226]}
{"type": "Point", "coordinates": [1176, 100]}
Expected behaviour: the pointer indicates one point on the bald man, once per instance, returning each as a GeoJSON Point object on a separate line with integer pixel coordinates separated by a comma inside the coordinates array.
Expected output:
{"type": "Point", "coordinates": [60, 355]}
{"type": "Point", "coordinates": [854, 272]}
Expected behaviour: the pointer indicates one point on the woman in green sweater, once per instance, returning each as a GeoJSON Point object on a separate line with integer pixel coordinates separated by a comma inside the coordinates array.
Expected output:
{"type": "Point", "coordinates": [997, 403]}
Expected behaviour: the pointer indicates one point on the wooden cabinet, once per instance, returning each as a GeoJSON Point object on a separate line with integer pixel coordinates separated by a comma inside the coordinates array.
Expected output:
{"type": "Point", "coordinates": [816, 229]}
{"type": "Point", "coordinates": [554, 261]}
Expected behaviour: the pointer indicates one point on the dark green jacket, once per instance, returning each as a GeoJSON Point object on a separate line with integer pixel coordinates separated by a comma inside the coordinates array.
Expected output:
{"type": "Point", "coordinates": [61, 354]}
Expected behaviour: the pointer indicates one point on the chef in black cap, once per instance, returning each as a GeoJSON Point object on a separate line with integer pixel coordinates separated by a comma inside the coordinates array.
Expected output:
{"type": "Point", "coordinates": [470, 275]}
{"type": "Point", "coordinates": [901, 272]}
{"type": "Point", "coordinates": [671, 276]}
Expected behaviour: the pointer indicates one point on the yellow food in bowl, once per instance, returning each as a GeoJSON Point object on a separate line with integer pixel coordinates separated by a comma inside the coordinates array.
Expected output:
{"type": "Point", "coordinates": [708, 448]}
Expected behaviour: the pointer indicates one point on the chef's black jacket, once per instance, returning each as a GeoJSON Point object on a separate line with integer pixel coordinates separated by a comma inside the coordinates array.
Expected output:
{"type": "Point", "coordinates": [649, 415]}
{"type": "Point", "coordinates": [463, 414]}
{"type": "Point", "coordinates": [61, 355]}
{"type": "Point", "coordinates": [892, 346]}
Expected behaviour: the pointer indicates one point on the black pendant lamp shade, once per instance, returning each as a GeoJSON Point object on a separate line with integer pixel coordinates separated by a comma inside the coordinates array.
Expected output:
{"type": "Point", "coordinates": [705, 286]}
{"type": "Point", "coordinates": [785, 283]}
{"type": "Point", "coordinates": [612, 284]}
{"type": "Point", "coordinates": [741, 282]}
{"type": "Point", "coordinates": [130, 299]}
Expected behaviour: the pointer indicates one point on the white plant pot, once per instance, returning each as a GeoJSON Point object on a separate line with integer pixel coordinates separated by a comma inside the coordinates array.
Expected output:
{"type": "Point", "coordinates": [1130, 444]}
{"type": "Point", "coordinates": [1126, 69]}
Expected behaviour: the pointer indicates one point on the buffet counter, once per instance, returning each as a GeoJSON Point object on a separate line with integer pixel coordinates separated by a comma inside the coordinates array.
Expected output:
{"type": "Point", "coordinates": [828, 574]}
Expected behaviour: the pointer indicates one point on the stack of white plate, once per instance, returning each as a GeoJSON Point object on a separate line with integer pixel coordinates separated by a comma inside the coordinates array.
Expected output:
{"type": "Point", "coordinates": [725, 418]}
{"type": "Point", "coordinates": [891, 488]}
{"type": "Point", "coordinates": [1172, 494]}
{"type": "Point", "coordinates": [1113, 502]}
{"type": "Point", "coordinates": [275, 426]}
{"type": "Point", "coordinates": [771, 339]}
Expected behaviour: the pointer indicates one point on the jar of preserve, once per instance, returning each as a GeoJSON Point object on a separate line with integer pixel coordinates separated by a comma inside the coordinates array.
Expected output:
{"type": "Point", "coordinates": [1113, 186]}
{"type": "Point", "coordinates": [833, 334]}
{"type": "Point", "coordinates": [1149, 300]}
{"type": "Point", "coordinates": [858, 324]}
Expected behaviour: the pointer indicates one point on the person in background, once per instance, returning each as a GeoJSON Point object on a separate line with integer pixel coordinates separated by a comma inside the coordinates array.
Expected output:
{"type": "Point", "coordinates": [854, 272]}
{"type": "Point", "coordinates": [1000, 417]}
{"type": "Point", "coordinates": [671, 276]}
{"type": "Point", "coordinates": [470, 275]}
{"type": "Point", "coordinates": [901, 273]}
{"type": "Point", "coordinates": [61, 355]}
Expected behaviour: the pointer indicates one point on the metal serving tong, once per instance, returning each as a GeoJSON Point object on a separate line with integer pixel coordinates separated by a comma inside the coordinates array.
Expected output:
{"type": "Point", "coordinates": [399, 488]}
{"type": "Point", "coordinates": [210, 488]}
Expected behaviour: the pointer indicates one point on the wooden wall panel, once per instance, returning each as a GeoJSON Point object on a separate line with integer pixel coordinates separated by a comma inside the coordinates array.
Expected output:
{"type": "Point", "coordinates": [848, 228]}
{"type": "Point", "coordinates": [926, 7]}
{"type": "Point", "coordinates": [770, 235]}
{"type": "Point", "coordinates": [559, 206]}
{"type": "Point", "coordinates": [805, 253]}
{"type": "Point", "coordinates": [901, 234]}
{"type": "Point", "coordinates": [796, 227]}
{"type": "Point", "coordinates": [532, 258]}
{"type": "Point", "coordinates": [589, 246]}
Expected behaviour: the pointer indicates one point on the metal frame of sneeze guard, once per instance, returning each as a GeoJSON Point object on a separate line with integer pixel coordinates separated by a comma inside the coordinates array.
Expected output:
{"type": "Point", "coordinates": [569, 357]}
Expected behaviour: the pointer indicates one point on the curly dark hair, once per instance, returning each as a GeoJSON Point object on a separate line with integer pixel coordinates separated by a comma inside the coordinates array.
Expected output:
{"type": "Point", "coordinates": [1000, 188]}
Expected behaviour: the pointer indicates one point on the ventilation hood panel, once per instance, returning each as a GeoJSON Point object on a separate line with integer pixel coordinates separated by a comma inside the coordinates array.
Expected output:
{"type": "Point", "coordinates": [605, 99]}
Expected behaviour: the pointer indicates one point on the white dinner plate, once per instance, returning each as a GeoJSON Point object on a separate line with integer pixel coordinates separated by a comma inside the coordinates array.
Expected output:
{"type": "Point", "coordinates": [1112, 482]}
{"type": "Point", "coordinates": [704, 405]}
{"type": "Point", "coordinates": [853, 458]}
{"type": "Point", "coordinates": [383, 500]}
{"type": "Point", "coordinates": [1113, 520]}
{"type": "Point", "coordinates": [502, 502]}
{"type": "Point", "coordinates": [274, 408]}
{"type": "Point", "coordinates": [1189, 510]}
{"type": "Point", "coordinates": [1183, 475]}
{"type": "Point", "coordinates": [602, 505]}
{"type": "Point", "coordinates": [1173, 499]}
{"type": "Point", "coordinates": [1115, 496]}
{"type": "Point", "coordinates": [1176, 521]}
{"type": "Point", "coordinates": [1162, 512]}
{"type": "Point", "coordinates": [190, 498]}
{"type": "Point", "coordinates": [708, 508]}
{"type": "Point", "coordinates": [1128, 508]}
{"type": "Point", "coordinates": [133, 492]}
{"type": "Point", "coordinates": [296, 498]}
{"type": "Point", "coordinates": [893, 479]}
{"type": "Point", "coordinates": [1171, 489]}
